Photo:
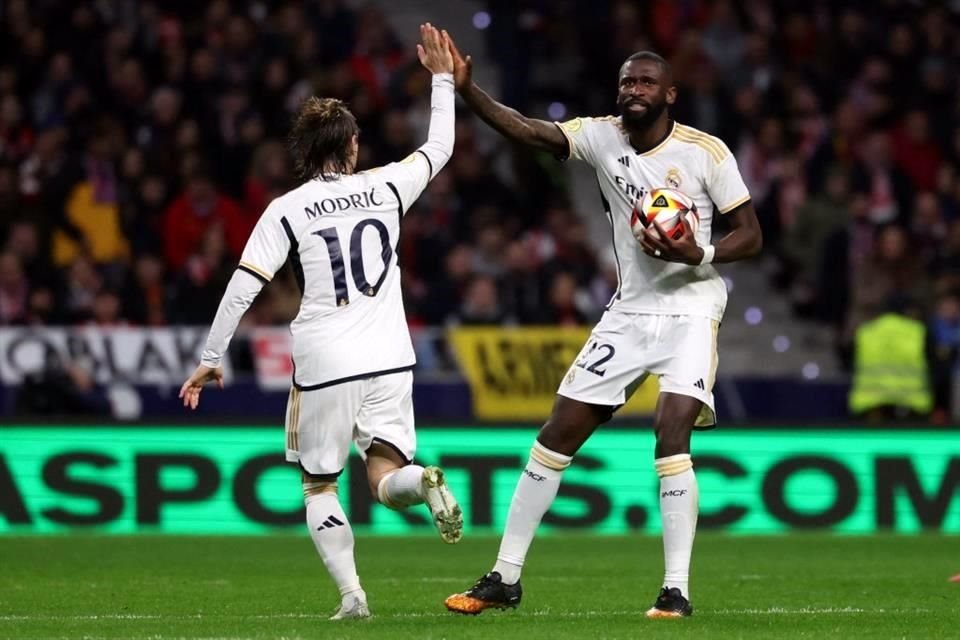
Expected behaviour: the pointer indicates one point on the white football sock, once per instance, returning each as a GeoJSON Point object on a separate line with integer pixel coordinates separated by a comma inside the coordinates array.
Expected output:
{"type": "Point", "coordinates": [532, 498]}
{"type": "Point", "coordinates": [333, 538]}
{"type": "Point", "coordinates": [401, 488]}
{"type": "Point", "coordinates": [678, 513]}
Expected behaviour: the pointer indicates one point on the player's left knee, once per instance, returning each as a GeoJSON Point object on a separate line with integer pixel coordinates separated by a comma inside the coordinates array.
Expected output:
{"type": "Point", "coordinates": [380, 488]}
{"type": "Point", "coordinates": [377, 483]}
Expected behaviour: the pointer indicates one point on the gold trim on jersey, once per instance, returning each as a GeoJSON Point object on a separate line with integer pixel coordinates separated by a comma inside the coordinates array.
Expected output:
{"type": "Point", "coordinates": [662, 143]}
{"type": "Point", "coordinates": [730, 207]}
{"type": "Point", "coordinates": [712, 373]}
{"type": "Point", "coordinates": [258, 270]}
{"type": "Point", "coordinates": [293, 420]}
{"type": "Point", "coordinates": [712, 145]}
{"type": "Point", "coordinates": [566, 135]}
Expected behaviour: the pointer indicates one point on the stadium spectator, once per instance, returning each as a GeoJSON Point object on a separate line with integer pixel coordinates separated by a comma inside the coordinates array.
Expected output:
{"type": "Point", "coordinates": [804, 242]}
{"type": "Point", "coordinates": [14, 290]}
{"type": "Point", "coordinates": [107, 310]}
{"type": "Point", "coordinates": [147, 299]}
{"type": "Point", "coordinates": [566, 306]}
{"type": "Point", "coordinates": [892, 269]}
{"type": "Point", "coordinates": [887, 188]}
{"type": "Point", "coordinates": [87, 208]}
{"type": "Point", "coordinates": [481, 304]}
{"type": "Point", "coordinates": [200, 207]}
{"type": "Point", "coordinates": [891, 377]}
{"type": "Point", "coordinates": [945, 352]}
{"type": "Point", "coordinates": [520, 285]}
{"type": "Point", "coordinates": [81, 284]}
{"type": "Point", "coordinates": [206, 272]}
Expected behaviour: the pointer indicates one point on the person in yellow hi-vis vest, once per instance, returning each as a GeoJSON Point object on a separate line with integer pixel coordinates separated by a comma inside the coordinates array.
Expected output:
{"type": "Point", "coordinates": [891, 368]}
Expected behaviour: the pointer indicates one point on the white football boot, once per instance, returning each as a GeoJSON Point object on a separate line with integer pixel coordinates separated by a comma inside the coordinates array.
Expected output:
{"type": "Point", "coordinates": [354, 608]}
{"type": "Point", "coordinates": [447, 516]}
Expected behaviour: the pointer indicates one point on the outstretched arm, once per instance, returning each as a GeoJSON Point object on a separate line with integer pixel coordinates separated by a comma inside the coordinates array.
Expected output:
{"type": "Point", "coordinates": [435, 56]}
{"type": "Point", "coordinates": [512, 124]}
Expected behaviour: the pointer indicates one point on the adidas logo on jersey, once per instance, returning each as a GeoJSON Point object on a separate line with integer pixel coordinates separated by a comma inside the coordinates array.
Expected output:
{"type": "Point", "coordinates": [330, 523]}
{"type": "Point", "coordinates": [625, 161]}
{"type": "Point", "coordinates": [699, 384]}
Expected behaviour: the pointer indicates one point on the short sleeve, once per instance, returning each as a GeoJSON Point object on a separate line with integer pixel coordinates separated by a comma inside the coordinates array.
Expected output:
{"type": "Point", "coordinates": [267, 248]}
{"type": "Point", "coordinates": [581, 139]}
{"type": "Point", "coordinates": [724, 182]}
{"type": "Point", "coordinates": [408, 178]}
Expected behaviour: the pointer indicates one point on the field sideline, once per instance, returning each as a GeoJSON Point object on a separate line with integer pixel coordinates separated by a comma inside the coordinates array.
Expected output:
{"type": "Point", "coordinates": [576, 586]}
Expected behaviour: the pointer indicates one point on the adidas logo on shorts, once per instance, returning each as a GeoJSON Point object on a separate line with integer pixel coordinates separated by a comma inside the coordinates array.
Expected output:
{"type": "Point", "coordinates": [699, 384]}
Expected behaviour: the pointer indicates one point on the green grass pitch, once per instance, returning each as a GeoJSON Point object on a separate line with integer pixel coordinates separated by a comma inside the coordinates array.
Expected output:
{"type": "Point", "coordinates": [575, 586]}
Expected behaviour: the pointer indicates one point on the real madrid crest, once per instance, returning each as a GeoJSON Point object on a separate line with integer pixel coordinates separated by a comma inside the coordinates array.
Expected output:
{"type": "Point", "coordinates": [673, 178]}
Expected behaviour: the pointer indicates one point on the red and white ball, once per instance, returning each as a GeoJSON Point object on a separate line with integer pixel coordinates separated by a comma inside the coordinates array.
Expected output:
{"type": "Point", "coordinates": [668, 207]}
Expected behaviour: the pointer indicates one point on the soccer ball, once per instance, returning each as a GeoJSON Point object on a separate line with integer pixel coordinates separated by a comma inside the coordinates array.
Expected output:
{"type": "Point", "coordinates": [667, 207]}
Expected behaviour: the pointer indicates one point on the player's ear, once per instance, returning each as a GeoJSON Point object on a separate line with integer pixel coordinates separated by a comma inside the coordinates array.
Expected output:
{"type": "Point", "coordinates": [671, 95]}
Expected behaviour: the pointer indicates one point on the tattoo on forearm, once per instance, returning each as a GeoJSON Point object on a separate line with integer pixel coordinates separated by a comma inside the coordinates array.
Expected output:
{"type": "Point", "coordinates": [512, 123]}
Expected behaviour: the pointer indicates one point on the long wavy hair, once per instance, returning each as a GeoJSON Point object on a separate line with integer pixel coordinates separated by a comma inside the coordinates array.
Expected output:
{"type": "Point", "coordinates": [320, 138]}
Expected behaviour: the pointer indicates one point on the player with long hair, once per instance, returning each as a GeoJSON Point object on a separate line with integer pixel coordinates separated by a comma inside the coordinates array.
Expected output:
{"type": "Point", "coordinates": [352, 353]}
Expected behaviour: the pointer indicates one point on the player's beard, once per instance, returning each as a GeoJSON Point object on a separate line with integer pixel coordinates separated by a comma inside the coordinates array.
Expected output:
{"type": "Point", "coordinates": [640, 121]}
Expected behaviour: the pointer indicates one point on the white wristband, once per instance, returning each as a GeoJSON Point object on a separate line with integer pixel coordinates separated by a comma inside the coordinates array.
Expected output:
{"type": "Point", "coordinates": [708, 252]}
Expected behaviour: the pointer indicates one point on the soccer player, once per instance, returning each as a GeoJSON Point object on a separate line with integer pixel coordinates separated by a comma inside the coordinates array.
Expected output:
{"type": "Point", "coordinates": [352, 352]}
{"type": "Point", "coordinates": [662, 320]}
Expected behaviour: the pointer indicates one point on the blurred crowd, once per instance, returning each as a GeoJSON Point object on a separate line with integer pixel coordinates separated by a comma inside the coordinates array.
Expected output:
{"type": "Point", "coordinates": [140, 141]}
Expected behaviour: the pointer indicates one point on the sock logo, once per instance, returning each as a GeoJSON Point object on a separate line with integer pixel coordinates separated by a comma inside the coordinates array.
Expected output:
{"type": "Point", "coordinates": [673, 493]}
{"type": "Point", "coordinates": [330, 523]}
{"type": "Point", "coordinates": [534, 476]}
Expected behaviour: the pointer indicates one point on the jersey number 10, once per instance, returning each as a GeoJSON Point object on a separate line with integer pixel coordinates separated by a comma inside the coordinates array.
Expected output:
{"type": "Point", "coordinates": [338, 267]}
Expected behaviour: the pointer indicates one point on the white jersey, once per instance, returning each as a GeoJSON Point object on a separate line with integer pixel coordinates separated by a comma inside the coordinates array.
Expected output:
{"type": "Point", "coordinates": [699, 165]}
{"type": "Point", "coordinates": [341, 237]}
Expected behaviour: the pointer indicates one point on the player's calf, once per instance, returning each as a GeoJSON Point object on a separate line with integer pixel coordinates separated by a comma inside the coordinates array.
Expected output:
{"type": "Point", "coordinates": [333, 538]}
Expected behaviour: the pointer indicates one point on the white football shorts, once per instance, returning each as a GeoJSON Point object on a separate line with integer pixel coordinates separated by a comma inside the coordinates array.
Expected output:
{"type": "Point", "coordinates": [625, 348]}
{"type": "Point", "coordinates": [322, 423]}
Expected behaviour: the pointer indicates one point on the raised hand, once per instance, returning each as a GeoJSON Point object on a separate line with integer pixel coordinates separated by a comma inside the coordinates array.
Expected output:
{"type": "Point", "coordinates": [433, 52]}
{"type": "Point", "coordinates": [684, 249]}
{"type": "Point", "coordinates": [190, 391]}
{"type": "Point", "coordinates": [462, 67]}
